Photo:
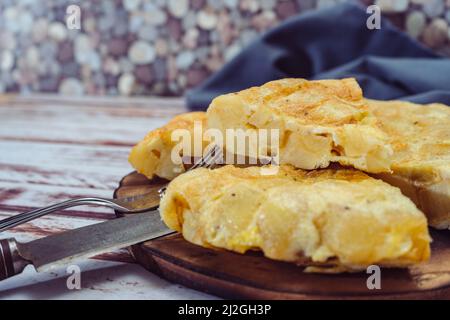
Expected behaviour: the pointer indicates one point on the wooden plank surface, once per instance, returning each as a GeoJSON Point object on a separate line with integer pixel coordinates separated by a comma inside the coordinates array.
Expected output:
{"type": "Point", "coordinates": [54, 148]}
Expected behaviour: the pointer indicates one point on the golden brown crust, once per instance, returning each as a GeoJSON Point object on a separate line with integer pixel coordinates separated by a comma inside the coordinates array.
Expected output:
{"type": "Point", "coordinates": [341, 218]}
{"type": "Point", "coordinates": [306, 101]}
{"type": "Point", "coordinates": [418, 133]}
{"type": "Point", "coordinates": [420, 136]}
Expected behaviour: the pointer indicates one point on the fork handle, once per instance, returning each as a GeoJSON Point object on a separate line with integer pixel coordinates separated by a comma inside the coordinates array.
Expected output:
{"type": "Point", "coordinates": [13, 221]}
{"type": "Point", "coordinates": [11, 263]}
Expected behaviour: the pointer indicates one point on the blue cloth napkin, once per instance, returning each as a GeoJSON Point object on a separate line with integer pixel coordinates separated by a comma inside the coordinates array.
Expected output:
{"type": "Point", "coordinates": [335, 43]}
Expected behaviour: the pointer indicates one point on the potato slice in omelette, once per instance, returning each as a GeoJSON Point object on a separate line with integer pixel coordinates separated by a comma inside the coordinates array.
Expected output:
{"type": "Point", "coordinates": [152, 155]}
{"type": "Point", "coordinates": [343, 218]}
{"type": "Point", "coordinates": [319, 122]}
{"type": "Point", "coordinates": [420, 137]}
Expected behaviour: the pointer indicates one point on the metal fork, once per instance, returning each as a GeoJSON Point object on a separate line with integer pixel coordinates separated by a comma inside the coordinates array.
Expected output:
{"type": "Point", "coordinates": [134, 204]}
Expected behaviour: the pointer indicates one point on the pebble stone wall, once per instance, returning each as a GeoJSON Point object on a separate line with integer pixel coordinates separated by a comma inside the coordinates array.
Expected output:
{"type": "Point", "coordinates": [159, 47]}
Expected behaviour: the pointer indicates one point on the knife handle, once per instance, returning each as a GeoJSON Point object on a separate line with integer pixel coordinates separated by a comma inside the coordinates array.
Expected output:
{"type": "Point", "coordinates": [11, 263]}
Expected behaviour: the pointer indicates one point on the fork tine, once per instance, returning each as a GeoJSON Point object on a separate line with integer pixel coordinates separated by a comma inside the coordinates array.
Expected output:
{"type": "Point", "coordinates": [212, 157]}
{"type": "Point", "coordinates": [199, 162]}
{"type": "Point", "coordinates": [209, 156]}
{"type": "Point", "coordinates": [217, 155]}
{"type": "Point", "coordinates": [203, 160]}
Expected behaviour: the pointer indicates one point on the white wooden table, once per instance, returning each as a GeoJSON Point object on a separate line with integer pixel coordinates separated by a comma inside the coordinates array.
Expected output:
{"type": "Point", "coordinates": [54, 148]}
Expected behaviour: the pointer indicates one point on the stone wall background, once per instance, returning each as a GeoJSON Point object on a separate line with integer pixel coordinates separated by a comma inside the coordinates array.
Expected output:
{"type": "Point", "coordinates": [159, 47]}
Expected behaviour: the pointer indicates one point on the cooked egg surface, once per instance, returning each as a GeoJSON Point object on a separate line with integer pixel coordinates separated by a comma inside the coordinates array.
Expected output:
{"type": "Point", "coordinates": [420, 137]}
{"type": "Point", "coordinates": [152, 155]}
{"type": "Point", "coordinates": [342, 218]}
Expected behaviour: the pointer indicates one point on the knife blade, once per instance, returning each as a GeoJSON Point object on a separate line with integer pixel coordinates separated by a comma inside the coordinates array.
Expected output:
{"type": "Point", "coordinates": [64, 248]}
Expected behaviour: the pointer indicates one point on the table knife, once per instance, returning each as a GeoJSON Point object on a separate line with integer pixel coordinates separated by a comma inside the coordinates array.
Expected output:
{"type": "Point", "coordinates": [64, 248]}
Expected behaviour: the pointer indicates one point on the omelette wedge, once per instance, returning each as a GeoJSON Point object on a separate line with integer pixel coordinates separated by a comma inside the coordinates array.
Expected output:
{"type": "Point", "coordinates": [152, 156]}
{"type": "Point", "coordinates": [330, 220]}
{"type": "Point", "coordinates": [319, 122]}
{"type": "Point", "coordinates": [420, 137]}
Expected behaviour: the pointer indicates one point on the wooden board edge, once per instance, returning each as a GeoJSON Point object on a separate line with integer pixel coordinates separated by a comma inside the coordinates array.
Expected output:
{"type": "Point", "coordinates": [182, 275]}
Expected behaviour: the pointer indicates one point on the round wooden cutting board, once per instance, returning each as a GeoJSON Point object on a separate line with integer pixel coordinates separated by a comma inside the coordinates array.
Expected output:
{"type": "Point", "coordinates": [252, 276]}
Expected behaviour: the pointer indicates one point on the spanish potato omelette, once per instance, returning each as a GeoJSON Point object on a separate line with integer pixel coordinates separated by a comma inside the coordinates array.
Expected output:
{"type": "Point", "coordinates": [319, 122]}
{"type": "Point", "coordinates": [152, 155]}
{"type": "Point", "coordinates": [416, 138]}
{"type": "Point", "coordinates": [420, 137]}
{"type": "Point", "coordinates": [342, 219]}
